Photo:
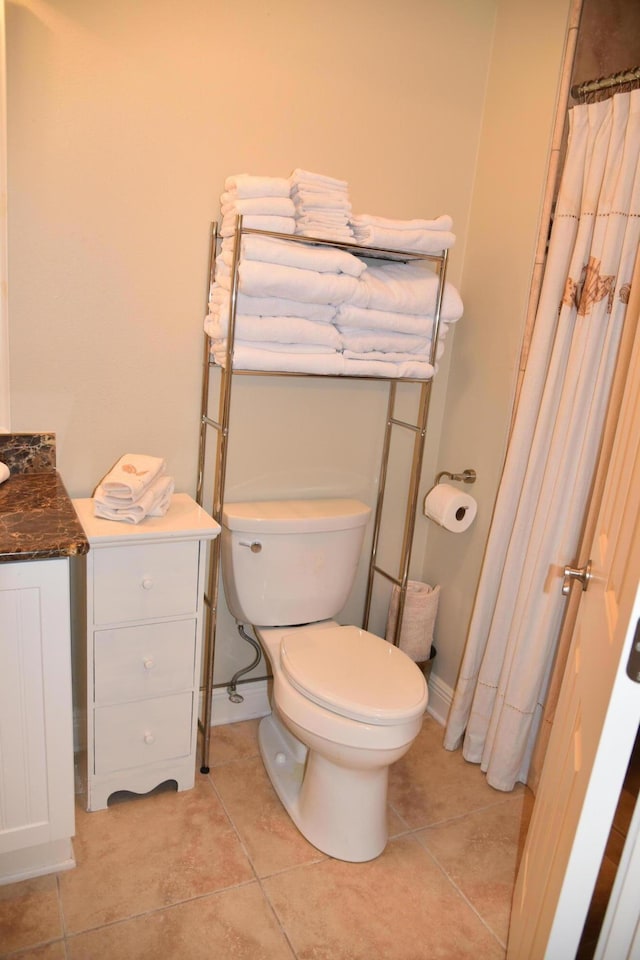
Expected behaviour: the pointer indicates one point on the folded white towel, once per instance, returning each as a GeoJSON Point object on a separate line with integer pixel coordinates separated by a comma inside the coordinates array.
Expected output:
{"type": "Point", "coordinates": [414, 370]}
{"type": "Point", "coordinates": [393, 356]}
{"type": "Point", "coordinates": [404, 288]}
{"type": "Point", "coordinates": [299, 176]}
{"type": "Point", "coordinates": [321, 232]}
{"type": "Point", "coordinates": [277, 280]}
{"type": "Point", "coordinates": [304, 349]}
{"type": "Point", "coordinates": [154, 502]}
{"type": "Point", "coordinates": [246, 357]}
{"type": "Point", "coordinates": [130, 476]}
{"type": "Point", "coordinates": [245, 185]}
{"type": "Point", "coordinates": [367, 318]}
{"type": "Point", "coordinates": [413, 241]}
{"type": "Point", "coordinates": [272, 224]}
{"type": "Point", "coordinates": [443, 223]}
{"type": "Point", "coordinates": [361, 341]}
{"type": "Point", "coordinates": [303, 255]}
{"type": "Point", "coordinates": [268, 306]}
{"type": "Point", "coordinates": [276, 330]}
{"type": "Point", "coordinates": [257, 206]}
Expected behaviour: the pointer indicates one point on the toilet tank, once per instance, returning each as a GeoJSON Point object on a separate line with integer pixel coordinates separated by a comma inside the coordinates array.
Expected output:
{"type": "Point", "coordinates": [287, 562]}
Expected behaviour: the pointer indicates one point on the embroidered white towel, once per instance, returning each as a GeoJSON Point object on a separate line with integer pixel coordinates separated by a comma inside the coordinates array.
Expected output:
{"type": "Point", "coordinates": [245, 185]}
{"type": "Point", "coordinates": [154, 502]}
{"type": "Point", "coordinates": [131, 475]}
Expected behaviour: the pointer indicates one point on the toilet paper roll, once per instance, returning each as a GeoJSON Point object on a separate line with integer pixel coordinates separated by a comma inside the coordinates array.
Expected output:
{"type": "Point", "coordinates": [4, 472]}
{"type": "Point", "coordinates": [453, 509]}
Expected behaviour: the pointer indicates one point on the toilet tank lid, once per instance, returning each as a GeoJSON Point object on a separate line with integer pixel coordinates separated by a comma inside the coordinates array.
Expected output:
{"type": "Point", "coordinates": [294, 516]}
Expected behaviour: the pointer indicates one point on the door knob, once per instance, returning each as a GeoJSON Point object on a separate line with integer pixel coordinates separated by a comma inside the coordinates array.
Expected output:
{"type": "Point", "coordinates": [583, 574]}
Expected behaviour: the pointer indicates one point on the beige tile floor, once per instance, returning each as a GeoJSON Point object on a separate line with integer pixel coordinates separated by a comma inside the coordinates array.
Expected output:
{"type": "Point", "coordinates": [220, 871]}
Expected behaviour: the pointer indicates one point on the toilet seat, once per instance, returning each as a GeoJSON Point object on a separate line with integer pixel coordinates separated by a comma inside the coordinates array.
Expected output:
{"type": "Point", "coordinates": [354, 674]}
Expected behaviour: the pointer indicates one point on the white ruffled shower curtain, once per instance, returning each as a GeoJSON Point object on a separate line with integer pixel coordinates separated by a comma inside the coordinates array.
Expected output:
{"type": "Point", "coordinates": [553, 450]}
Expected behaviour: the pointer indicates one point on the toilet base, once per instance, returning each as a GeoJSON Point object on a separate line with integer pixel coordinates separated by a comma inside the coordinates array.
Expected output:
{"type": "Point", "coordinates": [341, 811]}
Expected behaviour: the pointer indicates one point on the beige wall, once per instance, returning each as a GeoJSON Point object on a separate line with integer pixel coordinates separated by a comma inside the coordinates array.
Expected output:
{"type": "Point", "coordinates": [125, 118]}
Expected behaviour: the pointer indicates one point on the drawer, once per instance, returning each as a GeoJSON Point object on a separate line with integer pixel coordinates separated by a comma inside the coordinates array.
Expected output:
{"type": "Point", "coordinates": [145, 581]}
{"type": "Point", "coordinates": [151, 660]}
{"type": "Point", "coordinates": [134, 734]}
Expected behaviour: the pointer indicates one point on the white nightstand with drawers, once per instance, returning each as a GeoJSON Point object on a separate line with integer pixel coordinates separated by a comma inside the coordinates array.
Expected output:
{"type": "Point", "coordinates": [141, 636]}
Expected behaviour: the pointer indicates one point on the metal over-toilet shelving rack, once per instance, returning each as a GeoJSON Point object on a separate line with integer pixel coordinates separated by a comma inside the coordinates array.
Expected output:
{"type": "Point", "coordinates": [218, 424]}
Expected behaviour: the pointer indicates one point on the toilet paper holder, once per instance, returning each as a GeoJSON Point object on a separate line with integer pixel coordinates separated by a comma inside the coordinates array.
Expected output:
{"type": "Point", "coordinates": [467, 476]}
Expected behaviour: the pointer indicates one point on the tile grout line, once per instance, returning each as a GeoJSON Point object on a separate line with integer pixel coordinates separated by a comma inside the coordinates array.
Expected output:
{"type": "Point", "coordinates": [460, 893]}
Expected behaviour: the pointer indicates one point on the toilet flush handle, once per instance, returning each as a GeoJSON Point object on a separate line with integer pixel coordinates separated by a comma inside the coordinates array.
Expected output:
{"type": "Point", "coordinates": [254, 545]}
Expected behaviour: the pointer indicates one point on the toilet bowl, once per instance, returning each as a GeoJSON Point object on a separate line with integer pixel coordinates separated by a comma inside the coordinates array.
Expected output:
{"type": "Point", "coordinates": [346, 704]}
{"type": "Point", "coordinates": [328, 751]}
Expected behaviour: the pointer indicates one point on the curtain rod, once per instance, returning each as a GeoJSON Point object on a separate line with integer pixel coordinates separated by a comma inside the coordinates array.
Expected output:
{"type": "Point", "coordinates": [605, 83]}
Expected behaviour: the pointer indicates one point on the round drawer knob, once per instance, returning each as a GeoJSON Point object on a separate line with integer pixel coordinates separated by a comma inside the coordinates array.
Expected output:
{"type": "Point", "coordinates": [149, 738]}
{"type": "Point", "coordinates": [148, 663]}
{"type": "Point", "coordinates": [147, 583]}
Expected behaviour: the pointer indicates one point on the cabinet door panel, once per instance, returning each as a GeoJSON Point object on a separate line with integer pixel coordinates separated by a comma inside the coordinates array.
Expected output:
{"type": "Point", "coordinates": [150, 660]}
{"type": "Point", "coordinates": [145, 582]}
{"type": "Point", "coordinates": [36, 744]}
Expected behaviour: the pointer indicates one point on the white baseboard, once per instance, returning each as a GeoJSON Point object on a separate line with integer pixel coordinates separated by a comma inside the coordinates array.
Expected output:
{"type": "Point", "coordinates": [255, 703]}
{"type": "Point", "coordinates": [440, 699]}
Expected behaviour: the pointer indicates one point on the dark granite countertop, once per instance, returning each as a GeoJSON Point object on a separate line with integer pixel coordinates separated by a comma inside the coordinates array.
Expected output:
{"type": "Point", "coordinates": [37, 518]}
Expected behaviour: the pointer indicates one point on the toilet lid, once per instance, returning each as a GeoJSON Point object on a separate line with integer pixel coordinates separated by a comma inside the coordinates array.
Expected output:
{"type": "Point", "coordinates": [354, 673]}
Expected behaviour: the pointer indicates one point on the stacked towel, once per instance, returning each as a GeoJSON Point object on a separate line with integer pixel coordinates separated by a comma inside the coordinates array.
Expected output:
{"type": "Point", "coordinates": [286, 303]}
{"type": "Point", "coordinates": [417, 236]}
{"type": "Point", "coordinates": [263, 202]}
{"type": "Point", "coordinates": [389, 320]}
{"type": "Point", "coordinates": [322, 206]}
{"type": "Point", "coordinates": [135, 488]}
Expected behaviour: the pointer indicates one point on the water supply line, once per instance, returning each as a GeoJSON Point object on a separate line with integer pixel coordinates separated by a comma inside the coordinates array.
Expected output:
{"type": "Point", "coordinates": [234, 696]}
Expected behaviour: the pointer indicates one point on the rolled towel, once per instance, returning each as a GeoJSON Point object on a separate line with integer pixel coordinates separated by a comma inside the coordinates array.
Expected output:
{"type": "Point", "coordinates": [130, 476]}
{"type": "Point", "coordinates": [154, 502]}
{"type": "Point", "coordinates": [245, 186]}
{"type": "Point", "coordinates": [257, 206]}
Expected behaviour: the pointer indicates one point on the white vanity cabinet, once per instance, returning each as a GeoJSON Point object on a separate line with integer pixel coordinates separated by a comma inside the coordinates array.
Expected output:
{"type": "Point", "coordinates": [36, 739]}
{"type": "Point", "coordinates": [143, 625]}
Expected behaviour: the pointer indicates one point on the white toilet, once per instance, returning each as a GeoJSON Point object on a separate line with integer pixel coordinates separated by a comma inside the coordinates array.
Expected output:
{"type": "Point", "coordinates": [345, 703]}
